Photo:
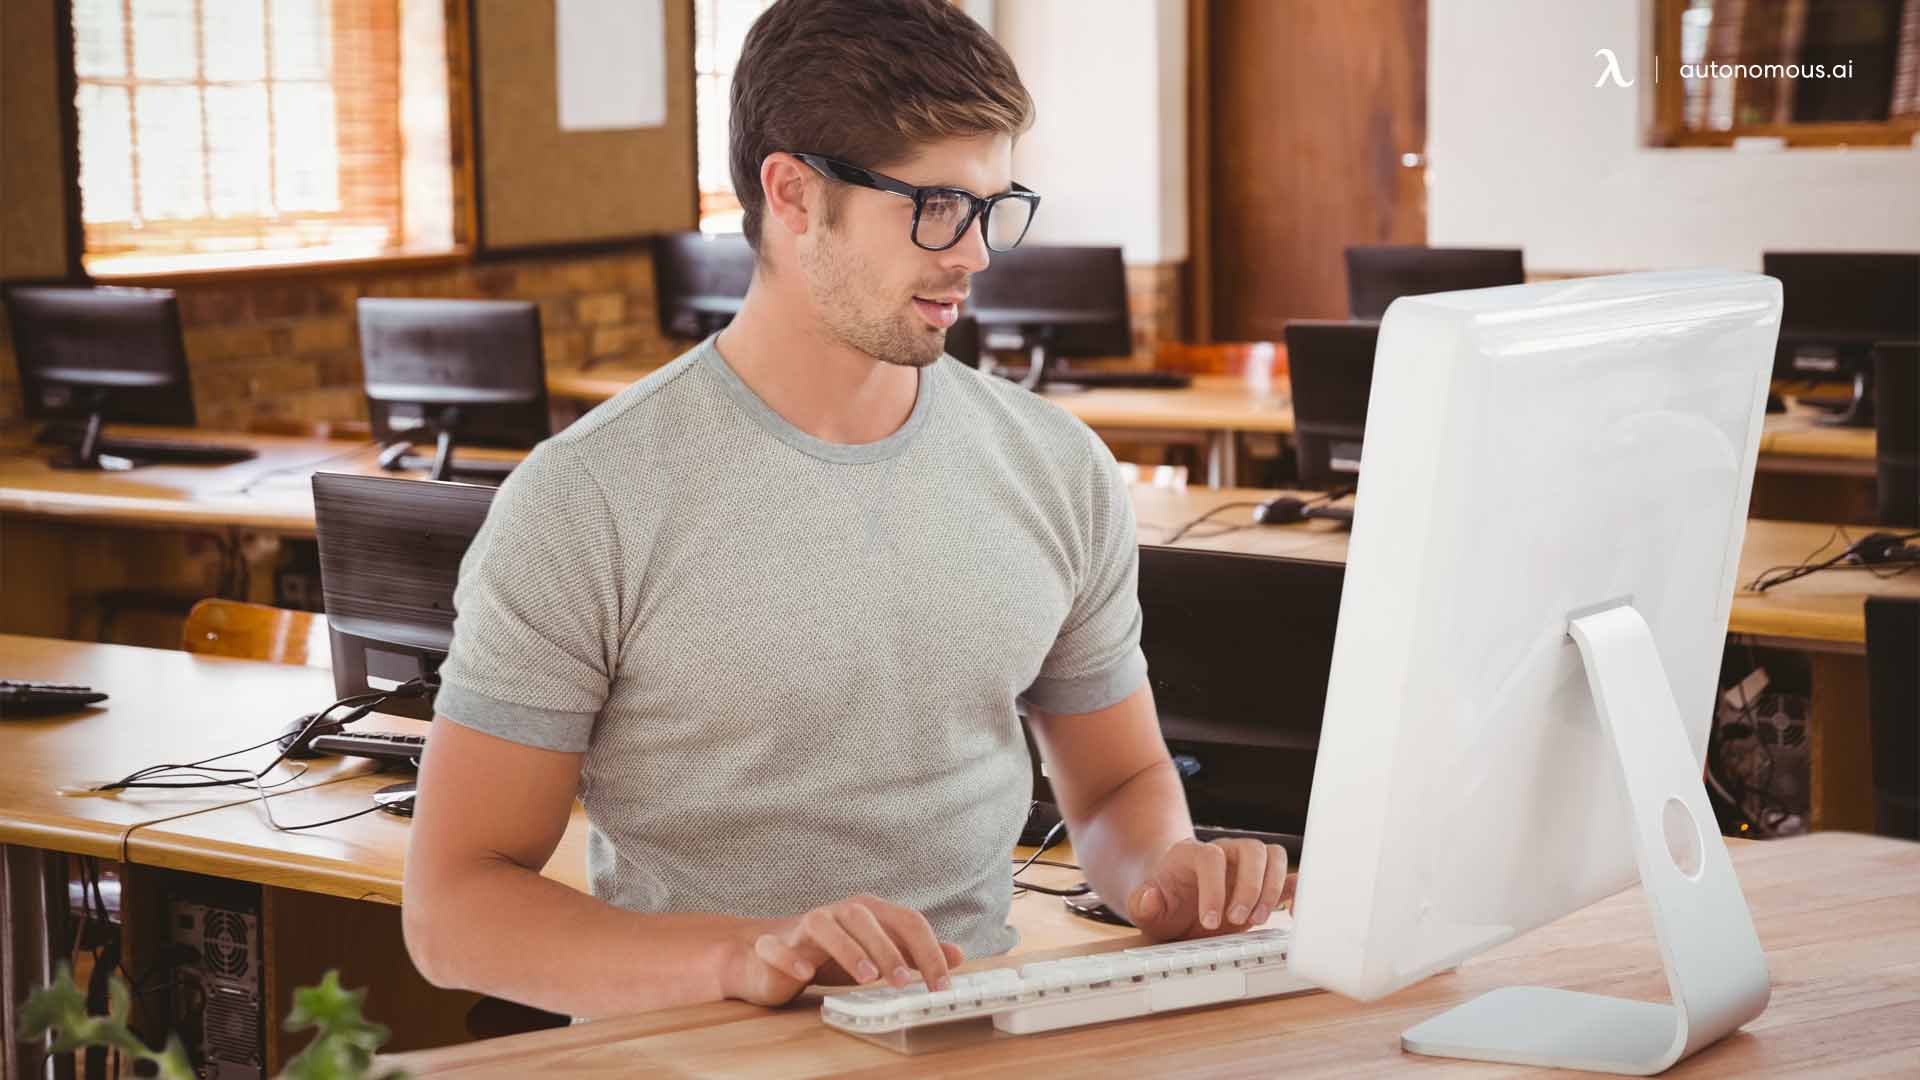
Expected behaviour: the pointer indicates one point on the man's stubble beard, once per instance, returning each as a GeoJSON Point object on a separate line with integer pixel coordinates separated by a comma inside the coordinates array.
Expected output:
{"type": "Point", "coordinates": [838, 288]}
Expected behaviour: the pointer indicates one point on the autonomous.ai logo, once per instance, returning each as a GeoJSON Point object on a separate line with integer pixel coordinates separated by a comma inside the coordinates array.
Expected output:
{"type": "Point", "coordinates": [1611, 71]}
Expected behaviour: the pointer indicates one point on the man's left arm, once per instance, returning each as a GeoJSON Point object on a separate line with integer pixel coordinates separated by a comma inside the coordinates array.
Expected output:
{"type": "Point", "coordinates": [1127, 815]}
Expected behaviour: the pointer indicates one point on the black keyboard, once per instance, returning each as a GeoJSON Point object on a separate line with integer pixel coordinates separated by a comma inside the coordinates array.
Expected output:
{"type": "Point", "coordinates": [153, 451]}
{"type": "Point", "coordinates": [35, 698]}
{"type": "Point", "coordinates": [385, 746]}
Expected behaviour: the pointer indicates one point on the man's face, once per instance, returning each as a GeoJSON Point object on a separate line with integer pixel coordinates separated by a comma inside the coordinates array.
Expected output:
{"type": "Point", "coordinates": [874, 288]}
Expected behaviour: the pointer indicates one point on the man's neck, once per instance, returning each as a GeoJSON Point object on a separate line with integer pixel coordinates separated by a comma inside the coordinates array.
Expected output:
{"type": "Point", "coordinates": [825, 388]}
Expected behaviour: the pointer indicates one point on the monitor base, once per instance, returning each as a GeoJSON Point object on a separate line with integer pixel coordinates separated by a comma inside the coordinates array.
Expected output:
{"type": "Point", "coordinates": [1715, 968]}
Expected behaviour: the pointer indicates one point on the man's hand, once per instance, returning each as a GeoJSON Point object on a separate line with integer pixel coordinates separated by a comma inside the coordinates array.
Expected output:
{"type": "Point", "coordinates": [859, 940]}
{"type": "Point", "coordinates": [1198, 890]}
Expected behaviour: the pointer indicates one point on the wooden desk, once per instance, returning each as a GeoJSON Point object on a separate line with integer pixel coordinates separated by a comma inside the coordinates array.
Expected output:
{"type": "Point", "coordinates": [1219, 407]}
{"type": "Point", "coordinates": [1822, 614]}
{"type": "Point", "coordinates": [1834, 912]}
{"type": "Point", "coordinates": [271, 493]}
{"type": "Point", "coordinates": [1810, 471]}
{"type": "Point", "coordinates": [1820, 611]}
{"type": "Point", "coordinates": [71, 535]}
{"type": "Point", "coordinates": [165, 706]}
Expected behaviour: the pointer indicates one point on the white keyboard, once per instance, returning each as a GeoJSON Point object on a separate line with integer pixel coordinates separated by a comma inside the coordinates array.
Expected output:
{"type": "Point", "coordinates": [1078, 990]}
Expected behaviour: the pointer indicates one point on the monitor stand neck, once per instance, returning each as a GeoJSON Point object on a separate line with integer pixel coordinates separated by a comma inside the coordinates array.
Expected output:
{"type": "Point", "coordinates": [86, 454]}
{"type": "Point", "coordinates": [442, 451]}
{"type": "Point", "coordinates": [1039, 359]}
{"type": "Point", "coordinates": [1715, 968]}
{"type": "Point", "coordinates": [1859, 411]}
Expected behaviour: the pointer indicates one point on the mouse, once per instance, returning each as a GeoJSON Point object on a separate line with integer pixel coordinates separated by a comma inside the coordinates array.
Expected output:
{"type": "Point", "coordinates": [396, 799]}
{"type": "Point", "coordinates": [296, 740]}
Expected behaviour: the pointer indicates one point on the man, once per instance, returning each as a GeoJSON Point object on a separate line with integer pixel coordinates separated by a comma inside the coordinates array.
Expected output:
{"type": "Point", "coordinates": [769, 611]}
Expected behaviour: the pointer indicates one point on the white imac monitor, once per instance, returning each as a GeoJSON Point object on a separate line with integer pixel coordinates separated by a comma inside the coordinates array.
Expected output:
{"type": "Point", "coordinates": [1553, 496]}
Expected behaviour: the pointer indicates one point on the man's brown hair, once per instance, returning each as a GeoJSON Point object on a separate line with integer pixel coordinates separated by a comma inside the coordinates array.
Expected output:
{"type": "Point", "coordinates": [864, 81]}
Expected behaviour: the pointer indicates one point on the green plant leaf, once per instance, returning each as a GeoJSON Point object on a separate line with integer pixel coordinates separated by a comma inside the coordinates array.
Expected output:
{"type": "Point", "coordinates": [344, 1047]}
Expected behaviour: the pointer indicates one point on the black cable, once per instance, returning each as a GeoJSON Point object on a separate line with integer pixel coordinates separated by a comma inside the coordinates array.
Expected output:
{"type": "Point", "coordinates": [362, 703]}
{"type": "Point", "coordinates": [1046, 842]}
{"type": "Point", "coordinates": [1879, 567]}
{"type": "Point", "coordinates": [1222, 508]}
{"type": "Point", "coordinates": [306, 466]}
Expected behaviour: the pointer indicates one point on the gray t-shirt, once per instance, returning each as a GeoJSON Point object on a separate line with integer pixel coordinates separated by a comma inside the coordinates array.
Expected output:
{"type": "Point", "coordinates": [793, 664]}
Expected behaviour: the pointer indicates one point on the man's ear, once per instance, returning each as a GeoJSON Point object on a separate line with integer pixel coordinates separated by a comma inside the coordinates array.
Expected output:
{"type": "Point", "coordinates": [786, 182]}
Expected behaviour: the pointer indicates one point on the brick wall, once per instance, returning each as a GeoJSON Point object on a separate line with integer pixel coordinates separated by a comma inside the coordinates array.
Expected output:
{"type": "Point", "coordinates": [1156, 302]}
{"type": "Point", "coordinates": [289, 347]}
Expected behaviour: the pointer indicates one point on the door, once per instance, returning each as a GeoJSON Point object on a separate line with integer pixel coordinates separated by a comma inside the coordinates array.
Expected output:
{"type": "Point", "coordinates": [1308, 134]}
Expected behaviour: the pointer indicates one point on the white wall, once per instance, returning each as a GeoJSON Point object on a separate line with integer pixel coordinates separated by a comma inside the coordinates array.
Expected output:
{"type": "Point", "coordinates": [1523, 150]}
{"type": "Point", "coordinates": [1107, 151]}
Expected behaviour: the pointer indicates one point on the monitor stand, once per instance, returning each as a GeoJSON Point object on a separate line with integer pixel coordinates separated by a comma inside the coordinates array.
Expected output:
{"type": "Point", "coordinates": [1714, 964]}
{"type": "Point", "coordinates": [1858, 413]}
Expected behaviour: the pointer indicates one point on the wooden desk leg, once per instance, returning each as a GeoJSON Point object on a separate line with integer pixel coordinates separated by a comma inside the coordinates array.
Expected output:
{"type": "Point", "coordinates": [33, 907]}
{"type": "Point", "coordinates": [1842, 748]}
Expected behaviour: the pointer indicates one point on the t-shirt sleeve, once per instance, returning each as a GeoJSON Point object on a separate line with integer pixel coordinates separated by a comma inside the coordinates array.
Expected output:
{"type": "Point", "coordinates": [536, 638]}
{"type": "Point", "coordinates": [1096, 660]}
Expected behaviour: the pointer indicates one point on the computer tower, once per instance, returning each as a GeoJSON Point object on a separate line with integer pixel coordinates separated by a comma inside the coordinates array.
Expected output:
{"type": "Point", "coordinates": [219, 986]}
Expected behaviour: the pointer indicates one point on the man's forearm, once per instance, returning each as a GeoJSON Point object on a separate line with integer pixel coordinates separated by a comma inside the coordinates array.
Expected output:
{"type": "Point", "coordinates": [1125, 834]}
{"type": "Point", "coordinates": [501, 929]}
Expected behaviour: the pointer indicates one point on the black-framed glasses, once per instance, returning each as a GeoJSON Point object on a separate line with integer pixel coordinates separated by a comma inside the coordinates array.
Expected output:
{"type": "Point", "coordinates": [942, 215]}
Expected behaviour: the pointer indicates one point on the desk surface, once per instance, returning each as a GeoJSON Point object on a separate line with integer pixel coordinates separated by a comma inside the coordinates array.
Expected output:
{"type": "Point", "coordinates": [1821, 608]}
{"type": "Point", "coordinates": [1212, 403]}
{"type": "Point", "coordinates": [1835, 913]}
{"type": "Point", "coordinates": [1797, 433]}
{"type": "Point", "coordinates": [165, 706]}
{"type": "Point", "coordinates": [271, 493]}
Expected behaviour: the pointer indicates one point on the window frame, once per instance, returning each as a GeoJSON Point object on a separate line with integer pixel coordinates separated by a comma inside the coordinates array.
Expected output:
{"type": "Point", "coordinates": [184, 268]}
{"type": "Point", "coordinates": [1670, 129]}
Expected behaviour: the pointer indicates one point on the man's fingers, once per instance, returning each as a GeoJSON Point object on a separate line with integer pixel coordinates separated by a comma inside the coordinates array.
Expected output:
{"type": "Point", "coordinates": [1248, 859]}
{"type": "Point", "coordinates": [915, 934]}
{"type": "Point", "coordinates": [821, 928]}
{"type": "Point", "coordinates": [783, 958]}
{"type": "Point", "coordinates": [1146, 904]}
{"type": "Point", "coordinates": [861, 924]}
{"type": "Point", "coordinates": [1209, 869]}
{"type": "Point", "coordinates": [1273, 884]}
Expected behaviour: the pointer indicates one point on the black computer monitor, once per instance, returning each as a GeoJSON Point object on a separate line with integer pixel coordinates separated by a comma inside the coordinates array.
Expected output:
{"type": "Point", "coordinates": [1379, 274]}
{"type": "Point", "coordinates": [1838, 304]}
{"type": "Point", "coordinates": [1897, 440]}
{"type": "Point", "coordinates": [1330, 365]}
{"type": "Point", "coordinates": [1053, 303]}
{"type": "Point", "coordinates": [699, 281]}
{"type": "Point", "coordinates": [455, 371]}
{"type": "Point", "coordinates": [91, 356]}
{"type": "Point", "coordinates": [1238, 651]}
{"type": "Point", "coordinates": [1893, 691]}
{"type": "Point", "coordinates": [390, 552]}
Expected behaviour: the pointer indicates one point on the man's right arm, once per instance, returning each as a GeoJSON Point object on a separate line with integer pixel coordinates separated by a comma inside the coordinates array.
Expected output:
{"type": "Point", "coordinates": [479, 916]}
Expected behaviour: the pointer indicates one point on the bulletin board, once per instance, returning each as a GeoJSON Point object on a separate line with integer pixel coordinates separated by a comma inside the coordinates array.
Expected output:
{"type": "Point", "coordinates": [39, 234]}
{"type": "Point", "coordinates": [539, 187]}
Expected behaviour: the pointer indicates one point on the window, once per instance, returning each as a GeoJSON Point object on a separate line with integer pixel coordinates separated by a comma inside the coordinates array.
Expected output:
{"type": "Point", "coordinates": [1811, 72]}
{"type": "Point", "coordinates": [241, 132]}
{"type": "Point", "coordinates": [719, 29]}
